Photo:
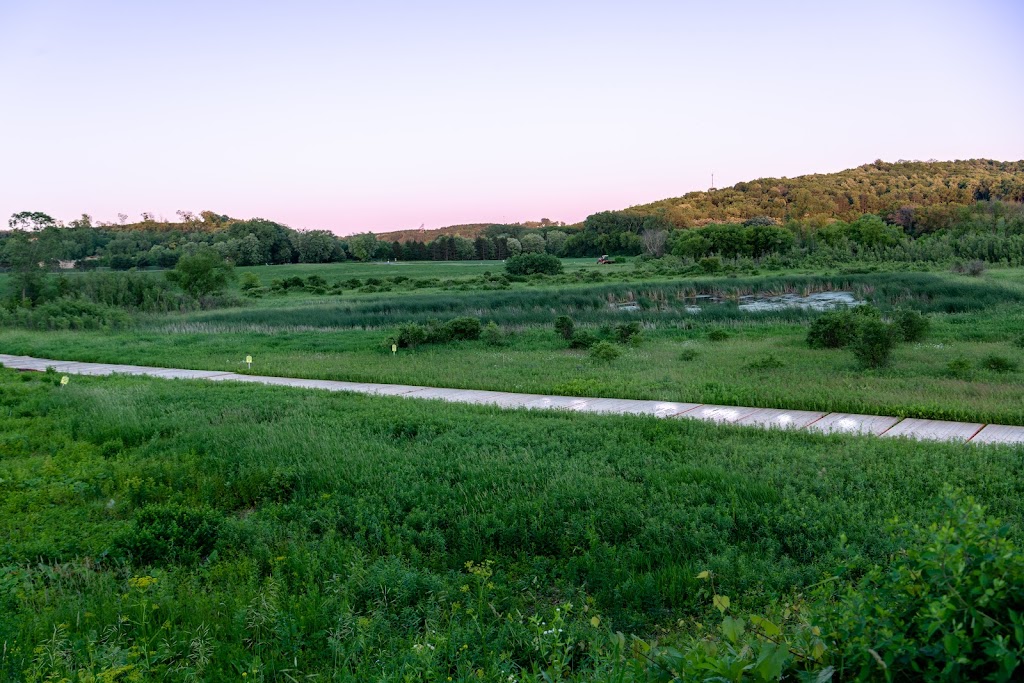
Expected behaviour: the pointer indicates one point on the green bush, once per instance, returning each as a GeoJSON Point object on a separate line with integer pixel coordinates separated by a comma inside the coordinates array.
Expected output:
{"type": "Point", "coordinates": [492, 335]}
{"type": "Point", "coordinates": [911, 325]}
{"type": "Point", "coordinates": [839, 328]}
{"type": "Point", "coordinates": [604, 351]}
{"type": "Point", "coordinates": [464, 329]}
{"type": "Point", "coordinates": [532, 264]}
{"type": "Point", "coordinates": [769, 362]}
{"type": "Point", "coordinates": [1019, 342]}
{"type": "Point", "coordinates": [999, 364]}
{"type": "Point", "coordinates": [688, 354]}
{"type": "Point", "coordinates": [171, 533]}
{"type": "Point", "coordinates": [959, 368]}
{"type": "Point", "coordinates": [564, 326]}
{"type": "Point", "coordinates": [874, 343]}
{"type": "Point", "coordinates": [251, 285]}
{"type": "Point", "coordinates": [718, 334]}
{"type": "Point", "coordinates": [582, 339]}
{"type": "Point", "coordinates": [628, 333]}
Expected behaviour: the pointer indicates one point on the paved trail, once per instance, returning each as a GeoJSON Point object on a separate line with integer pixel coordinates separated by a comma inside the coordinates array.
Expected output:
{"type": "Point", "coordinates": [876, 425]}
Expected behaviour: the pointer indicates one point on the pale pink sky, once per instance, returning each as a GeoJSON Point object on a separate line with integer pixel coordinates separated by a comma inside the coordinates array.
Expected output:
{"type": "Point", "coordinates": [382, 116]}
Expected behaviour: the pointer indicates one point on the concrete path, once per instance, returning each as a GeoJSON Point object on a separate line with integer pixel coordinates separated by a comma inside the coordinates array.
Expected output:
{"type": "Point", "coordinates": [875, 425]}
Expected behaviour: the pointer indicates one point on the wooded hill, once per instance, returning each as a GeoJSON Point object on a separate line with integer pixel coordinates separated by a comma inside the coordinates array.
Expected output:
{"type": "Point", "coordinates": [879, 188]}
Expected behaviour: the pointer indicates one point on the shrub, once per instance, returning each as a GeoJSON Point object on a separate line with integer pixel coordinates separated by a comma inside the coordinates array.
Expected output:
{"type": "Point", "coordinates": [531, 264]}
{"type": "Point", "coordinates": [604, 351]}
{"type": "Point", "coordinates": [948, 608]}
{"type": "Point", "coordinates": [464, 329]}
{"type": "Point", "coordinates": [688, 354]}
{"type": "Point", "coordinates": [171, 533]}
{"type": "Point", "coordinates": [911, 325]}
{"type": "Point", "coordinates": [564, 326]}
{"type": "Point", "coordinates": [769, 362]}
{"type": "Point", "coordinates": [839, 328]}
{"type": "Point", "coordinates": [710, 264]}
{"type": "Point", "coordinates": [998, 364]}
{"type": "Point", "coordinates": [1019, 342]}
{"type": "Point", "coordinates": [492, 335]}
{"type": "Point", "coordinates": [628, 333]}
{"type": "Point", "coordinates": [959, 367]}
{"type": "Point", "coordinates": [251, 285]}
{"type": "Point", "coordinates": [582, 339]}
{"type": "Point", "coordinates": [718, 334]}
{"type": "Point", "coordinates": [874, 343]}
{"type": "Point", "coordinates": [410, 336]}
{"type": "Point", "coordinates": [975, 268]}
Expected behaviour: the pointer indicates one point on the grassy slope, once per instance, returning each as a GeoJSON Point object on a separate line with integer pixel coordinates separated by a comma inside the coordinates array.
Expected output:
{"type": "Point", "coordinates": [355, 515]}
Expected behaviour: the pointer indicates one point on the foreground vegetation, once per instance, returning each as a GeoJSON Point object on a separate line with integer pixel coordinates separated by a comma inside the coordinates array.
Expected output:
{"type": "Point", "coordinates": [156, 530]}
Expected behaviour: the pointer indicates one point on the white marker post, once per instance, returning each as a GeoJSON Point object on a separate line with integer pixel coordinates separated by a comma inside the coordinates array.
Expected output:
{"type": "Point", "coordinates": [394, 349]}
{"type": "Point", "coordinates": [248, 362]}
{"type": "Point", "coordinates": [64, 381]}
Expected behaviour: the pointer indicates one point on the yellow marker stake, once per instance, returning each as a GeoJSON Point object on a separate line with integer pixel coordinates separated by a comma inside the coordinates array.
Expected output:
{"type": "Point", "coordinates": [64, 380]}
{"type": "Point", "coordinates": [394, 349]}
{"type": "Point", "coordinates": [248, 361]}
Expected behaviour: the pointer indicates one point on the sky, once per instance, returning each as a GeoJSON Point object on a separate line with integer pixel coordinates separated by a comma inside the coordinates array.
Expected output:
{"type": "Point", "coordinates": [357, 116]}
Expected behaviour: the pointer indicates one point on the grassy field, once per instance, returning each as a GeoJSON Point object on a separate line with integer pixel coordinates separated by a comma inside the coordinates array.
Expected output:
{"type": "Point", "coordinates": [156, 530]}
{"type": "Point", "coordinates": [764, 361]}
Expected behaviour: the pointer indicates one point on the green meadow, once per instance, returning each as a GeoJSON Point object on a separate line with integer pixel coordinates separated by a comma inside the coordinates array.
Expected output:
{"type": "Point", "coordinates": [171, 530]}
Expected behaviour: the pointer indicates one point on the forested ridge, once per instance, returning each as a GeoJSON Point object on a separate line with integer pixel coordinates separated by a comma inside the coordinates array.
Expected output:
{"type": "Point", "coordinates": [879, 188]}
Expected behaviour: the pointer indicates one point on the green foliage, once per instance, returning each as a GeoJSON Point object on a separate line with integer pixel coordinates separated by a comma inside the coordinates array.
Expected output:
{"type": "Point", "coordinates": [250, 285]}
{"type": "Point", "coordinates": [836, 329]}
{"type": "Point", "coordinates": [533, 263]}
{"type": "Point", "coordinates": [874, 343]}
{"type": "Point", "coordinates": [201, 274]}
{"type": "Point", "coordinates": [628, 333]}
{"type": "Point", "coordinates": [565, 326]}
{"type": "Point", "coordinates": [998, 363]}
{"type": "Point", "coordinates": [170, 533]}
{"type": "Point", "coordinates": [604, 352]}
{"type": "Point", "coordinates": [687, 355]}
{"type": "Point", "coordinates": [960, 368]}
{"type": "Point", "coordinates": [951, 607]}
{"type": "Point", "coordinates": [582, 339]}
{"type": "Point", "coordinates": [492, 335]}
{"type": "Point", "coordinates": [718, 334]}
{"type": "Point", "coordinates": [912, 325]}
{"type": "Point", "coordinates": [411, 335]}
{"type": "Point", "coordinates": [768, 362]}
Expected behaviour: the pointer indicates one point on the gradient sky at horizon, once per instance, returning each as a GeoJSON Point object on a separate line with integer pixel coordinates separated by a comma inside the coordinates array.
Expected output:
{"type": "Point", "coordinates": [387, 115]}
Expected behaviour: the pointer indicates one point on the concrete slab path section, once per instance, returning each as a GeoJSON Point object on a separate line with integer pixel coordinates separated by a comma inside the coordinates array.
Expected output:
{"type": "Point", "coordinates": [777, 418]}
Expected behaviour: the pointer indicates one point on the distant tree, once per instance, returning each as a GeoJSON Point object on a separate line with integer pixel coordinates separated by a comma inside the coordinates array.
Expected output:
{"type": "Point", "coordinates": [654, 242]}
{"type": "Point", "coordinates": [555, 242]}
{"type": "Point", "coordinates": [202, 273]}
{"type": "Point", "coordinates": [532, 243]}
{"type": "Point", "coordinates": [514, 246]}
{"type": "Point", "coordinates": [32, 221]}
{"type": "Point", "coordinates": [314, 246]}
{"type": "Point", "coordinates": [362, 246]}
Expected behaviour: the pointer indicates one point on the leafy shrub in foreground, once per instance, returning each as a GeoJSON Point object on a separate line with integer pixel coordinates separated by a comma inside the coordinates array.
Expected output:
{"type": "Point", "coordinates": [531, 264]}
{"type": "Point", "coordinates": [411, 335]}
{"type": "Point", "coordinates": [171, 533]}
